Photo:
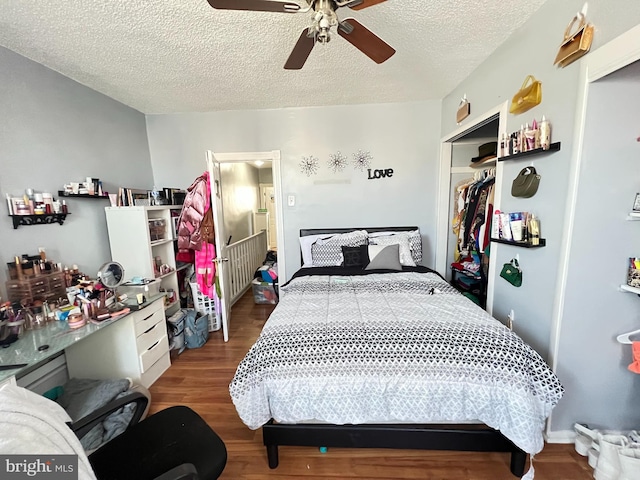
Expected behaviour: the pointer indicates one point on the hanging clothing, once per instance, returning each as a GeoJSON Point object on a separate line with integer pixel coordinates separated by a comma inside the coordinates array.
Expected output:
{"type": "Point", "coordinates": [195, 205]}
{"type": "Point", "coordinates": [204, 258]}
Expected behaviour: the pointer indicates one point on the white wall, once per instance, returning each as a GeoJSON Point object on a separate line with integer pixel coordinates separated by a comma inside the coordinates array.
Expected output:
{"type": "Point", "coordinates": [531, 50]}
{"type": "Point", "coordinates": [240, 198]}
{"type": "Point", "coordinates": [403, 137]}
{"type": "Point", "coordinates": [53, 131]}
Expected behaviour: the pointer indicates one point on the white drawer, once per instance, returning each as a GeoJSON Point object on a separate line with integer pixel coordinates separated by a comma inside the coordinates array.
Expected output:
{"type": "Point", "coordinates": [150, 336]}
{"type": "Point", "coordinates": [155, 371]}
{"type": "Point", "coordinates": [147, 319]}
{"type": "Point", "coordinates": [153, 353]}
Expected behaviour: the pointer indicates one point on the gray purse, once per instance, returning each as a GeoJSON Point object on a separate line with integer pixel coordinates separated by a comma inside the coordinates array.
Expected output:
{"type": "Point", "coordinates": [526, 184]}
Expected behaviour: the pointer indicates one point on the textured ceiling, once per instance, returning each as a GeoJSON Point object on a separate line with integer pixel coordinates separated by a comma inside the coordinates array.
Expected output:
{"type": "Point", "coordinates": [184, 56]}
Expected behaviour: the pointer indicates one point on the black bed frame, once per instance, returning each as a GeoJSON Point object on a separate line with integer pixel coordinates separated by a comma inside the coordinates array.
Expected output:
{"type": "Point", "coordinates": [466, 437]}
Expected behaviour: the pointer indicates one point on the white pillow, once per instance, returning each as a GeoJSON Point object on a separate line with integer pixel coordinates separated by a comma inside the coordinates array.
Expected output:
{"type": "Point", "coordinates": [401, 239]}
{"type": "Point", "coordinates": [305, 247]}
{"type": "Point", "coordinates": [327, 252]}
{"type": "Point", "coordinates": [415, 242]}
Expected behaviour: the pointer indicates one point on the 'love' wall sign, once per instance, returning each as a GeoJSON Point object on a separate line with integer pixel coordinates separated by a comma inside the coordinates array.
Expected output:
{"type": "Point", "coordinates": [386, 173]}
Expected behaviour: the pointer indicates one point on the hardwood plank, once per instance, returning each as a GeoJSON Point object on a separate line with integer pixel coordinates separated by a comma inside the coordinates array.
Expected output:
{"type": "Point", "coordinates": [200, 379]}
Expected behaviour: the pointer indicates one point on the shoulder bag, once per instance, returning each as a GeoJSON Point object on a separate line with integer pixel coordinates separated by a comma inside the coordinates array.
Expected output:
{"type": "Point", "coordinates": [511, 273]}
{"type": "Point", "coordinates": [529, 95]}
{"type": "Point", "coordinates": [525, 185]}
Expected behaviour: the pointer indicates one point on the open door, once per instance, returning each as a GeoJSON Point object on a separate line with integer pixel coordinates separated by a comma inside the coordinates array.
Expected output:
{"type": "Point", "coordinates": [222, 261]}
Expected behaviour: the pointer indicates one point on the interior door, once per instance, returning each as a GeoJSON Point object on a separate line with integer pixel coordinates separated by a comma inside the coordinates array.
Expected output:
{"type": "Point", "coordinates": [222, 261]}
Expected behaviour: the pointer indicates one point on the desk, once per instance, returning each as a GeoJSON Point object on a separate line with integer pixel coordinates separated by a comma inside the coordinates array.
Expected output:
{"type": "Point", "coordinates": [97, 351]}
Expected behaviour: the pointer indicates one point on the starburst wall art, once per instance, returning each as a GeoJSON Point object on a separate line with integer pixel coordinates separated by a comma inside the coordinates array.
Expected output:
{"type": "Point", "coordinates": [309, 165]}
{"type": "Point", "coordinates": [362, 160]}
{"type": "Point", "coordinates": [337, 162]}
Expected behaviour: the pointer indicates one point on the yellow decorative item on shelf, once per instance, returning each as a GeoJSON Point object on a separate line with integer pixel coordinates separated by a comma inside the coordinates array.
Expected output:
{"type": "Point", "coordinates": [575, 44]}
{"type": "Point", "coordinates": [529, 95]}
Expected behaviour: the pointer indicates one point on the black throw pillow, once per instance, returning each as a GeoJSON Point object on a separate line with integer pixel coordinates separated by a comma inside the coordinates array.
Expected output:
{"type": "Point", "coordinates": [355, 256]}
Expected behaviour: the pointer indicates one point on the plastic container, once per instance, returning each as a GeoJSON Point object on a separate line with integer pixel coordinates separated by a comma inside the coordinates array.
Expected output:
{"type": "Point", "coordinates": [149, 289]}
{"type": "Point", "coordinates": [263, 292]}
{"type": "Point", "coordinates": [205, 305]}
{"type": "Point", "coordinates": [157, 229]}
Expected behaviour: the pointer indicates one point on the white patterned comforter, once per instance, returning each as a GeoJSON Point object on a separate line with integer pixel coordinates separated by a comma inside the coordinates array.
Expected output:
{"type": "Point", "coordinates": [396, 347]}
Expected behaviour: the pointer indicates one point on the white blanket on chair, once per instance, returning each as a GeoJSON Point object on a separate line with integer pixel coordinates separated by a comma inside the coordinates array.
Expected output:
{"type": "Point", "coordinates": [34, 425]}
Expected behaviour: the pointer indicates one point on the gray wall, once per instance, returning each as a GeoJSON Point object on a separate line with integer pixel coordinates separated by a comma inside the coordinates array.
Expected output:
{"type": "Point", "coordinates": [531, 50]}
{"type": "Point", "coordinates": [595, 311]}
{"type": "Point", "coordinates": [240, 198]}
{"type": "Point", "coordinates": [53, 131]}
{"type": "Point", "coordinates": [403, 137]}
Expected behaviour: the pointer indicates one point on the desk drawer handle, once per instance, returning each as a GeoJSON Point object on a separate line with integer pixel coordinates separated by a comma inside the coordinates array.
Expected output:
{"type": "Point", "coordinates": [151, 328]}
{"type": "Point", "coordinates": [147, 318]}
{"type": "Point", "coordinates": [152, 346]}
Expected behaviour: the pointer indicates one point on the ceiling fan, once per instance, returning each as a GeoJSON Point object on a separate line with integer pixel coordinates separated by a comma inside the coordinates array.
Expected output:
{"type": "Point", "coordinates": [323, 19]}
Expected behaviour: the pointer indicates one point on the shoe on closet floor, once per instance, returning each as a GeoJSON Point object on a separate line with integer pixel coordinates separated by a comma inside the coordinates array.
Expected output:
{"type": "Point", "coordinates": [585, 438]}
{"type": "Point", "coordinates": [629, 463]}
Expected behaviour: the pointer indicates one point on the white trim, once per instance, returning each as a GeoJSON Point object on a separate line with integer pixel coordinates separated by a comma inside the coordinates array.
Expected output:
{"type": "Point", "coordinates": [444, 182]}
{"type": "Point", "coordinates": [274, 157]}
{"type": "Point", "coordinates": [561, 436]}
{"type": "Point", "coordinates": [612, 56]}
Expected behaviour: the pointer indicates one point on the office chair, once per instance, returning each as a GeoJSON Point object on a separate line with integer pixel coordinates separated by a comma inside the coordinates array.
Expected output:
{"type": "Point", "coordinates": [173, 444]}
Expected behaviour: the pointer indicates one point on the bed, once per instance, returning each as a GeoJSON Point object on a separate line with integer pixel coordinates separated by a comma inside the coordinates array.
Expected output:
{"type": "Point", "coordinates": [395, 357]}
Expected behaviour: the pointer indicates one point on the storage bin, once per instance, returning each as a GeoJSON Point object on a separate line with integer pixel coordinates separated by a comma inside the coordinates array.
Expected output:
{"type": "Point", "coordinates": [157, 229]}
{"type": "Point", "coordinates": [263, 292]}
{"type": "Point", "coordinates": [204, 304]}
{"type": "Point", "coordinates": [149, 289]}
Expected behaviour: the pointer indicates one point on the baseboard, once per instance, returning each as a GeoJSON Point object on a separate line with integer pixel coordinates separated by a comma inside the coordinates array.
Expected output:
{"type": "Point", "coordinates": [561, 436]}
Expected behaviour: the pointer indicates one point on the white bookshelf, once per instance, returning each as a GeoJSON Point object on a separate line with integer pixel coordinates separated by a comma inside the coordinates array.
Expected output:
{"type": "Point", "coordinates": [132, 245]}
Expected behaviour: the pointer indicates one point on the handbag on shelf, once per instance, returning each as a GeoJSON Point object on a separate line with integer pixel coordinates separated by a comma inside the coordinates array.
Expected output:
{"type": "Point", "coordinates": [511, 273]}
{"type": "Point", "coordinates": [576, 44]}
{"type": "Point", "coordinates": [529, 95]}
{"type": "Point", "coordinates": [525, 185]}
{"type": "Point", "coordinates": [464, 110]}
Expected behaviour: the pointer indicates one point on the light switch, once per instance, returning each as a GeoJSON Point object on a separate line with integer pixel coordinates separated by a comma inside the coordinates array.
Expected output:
{"type": "Point", "coordinates": [291, 200]}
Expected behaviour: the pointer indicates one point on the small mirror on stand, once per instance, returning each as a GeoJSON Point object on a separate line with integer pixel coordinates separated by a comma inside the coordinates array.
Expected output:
{"type": "Point", "coordinates": [111, 275]}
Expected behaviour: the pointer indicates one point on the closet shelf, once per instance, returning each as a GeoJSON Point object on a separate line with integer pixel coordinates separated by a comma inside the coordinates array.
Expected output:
{"type": "Point", "coordinates": [554, 147]}
{"type": "Point", "coordinates": [543, 243]}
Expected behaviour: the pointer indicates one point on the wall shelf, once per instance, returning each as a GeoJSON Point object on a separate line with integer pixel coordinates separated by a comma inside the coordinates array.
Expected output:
{"type": "Point", "coordinates": [630, 289]}
{"type": "Point", "coordinates": [554, 147]}
{"type": "Point", "coordinates": [543, 243]}
{"type": "Point", "coordinates": [633, 216]}
{"type": "Point", "coordinates": [42, 219]}
{"type": "Point", "coordinates": [62, 193]}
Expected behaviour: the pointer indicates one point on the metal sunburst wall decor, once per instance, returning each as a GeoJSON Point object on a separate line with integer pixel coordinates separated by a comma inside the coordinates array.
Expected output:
{"type": "Point", "coordinates": [337, 162]}
{"type": "Point", "coordinates": [362, 160]}
{"type": "Point", "coordinates": [309, 165]}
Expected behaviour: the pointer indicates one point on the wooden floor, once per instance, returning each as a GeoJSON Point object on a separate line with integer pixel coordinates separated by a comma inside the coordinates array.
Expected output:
{"type": "Point", "coordinates": [200, 378]}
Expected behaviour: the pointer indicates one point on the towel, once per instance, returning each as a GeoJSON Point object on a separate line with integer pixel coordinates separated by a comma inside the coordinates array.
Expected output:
{"type": "Point", "coordinates": [34, 425]}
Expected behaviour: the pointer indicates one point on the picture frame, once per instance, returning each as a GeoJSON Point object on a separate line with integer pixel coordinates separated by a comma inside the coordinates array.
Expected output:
{"type": "Point", "coordinates": [636, 203]}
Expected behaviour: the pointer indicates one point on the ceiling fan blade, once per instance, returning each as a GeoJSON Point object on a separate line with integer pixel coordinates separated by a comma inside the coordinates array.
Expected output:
{"type": "Point", "coordinates": [300, 52]}
{"type": "Point", "coordinates": [256, 5]}
{"type": "Point", "coordinates": [365, 40]}
{"type": "Point", "coordinates": [365, 4]}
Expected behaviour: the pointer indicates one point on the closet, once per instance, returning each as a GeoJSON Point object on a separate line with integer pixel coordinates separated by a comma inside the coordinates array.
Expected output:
{"type": "Point", "coordinates": [470, 200]}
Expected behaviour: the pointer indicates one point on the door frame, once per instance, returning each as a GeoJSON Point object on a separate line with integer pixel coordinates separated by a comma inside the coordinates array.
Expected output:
{"type": "Point", "coordinates": [444, 183]}
{"type": "Point", "coordinates": [610, 57]}
{"type": "Point", "coordinates": [272, 156]}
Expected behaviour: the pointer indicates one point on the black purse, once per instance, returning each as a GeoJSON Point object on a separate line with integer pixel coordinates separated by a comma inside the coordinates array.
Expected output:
{"type": "Point", "coordinates": [525, 185]}
{"type": "Point", "coordinates": [511, 273]}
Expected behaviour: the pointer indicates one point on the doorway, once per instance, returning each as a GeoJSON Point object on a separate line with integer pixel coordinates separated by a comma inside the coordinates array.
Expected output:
{"type": "Point", "coordinates": [456, 153]}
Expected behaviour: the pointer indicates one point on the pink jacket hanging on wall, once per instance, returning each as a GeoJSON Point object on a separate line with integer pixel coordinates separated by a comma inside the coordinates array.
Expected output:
{"type": "Point", "coordinates": [197, 202]}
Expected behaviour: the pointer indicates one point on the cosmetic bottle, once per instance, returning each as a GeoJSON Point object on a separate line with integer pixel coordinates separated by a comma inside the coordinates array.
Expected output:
{"type": "Point", "coordinates": [9, 205]}
{"type": "Point", "coordinates": [545, 134]}
{"type": "Point", "coordinates": [65, 209]}
{"type": "Point", "coordinates": [503, 147]}
{"type": "Point", "coordinates": [534, 230]}
{"type": "Point", "coordinates": [536, 134]}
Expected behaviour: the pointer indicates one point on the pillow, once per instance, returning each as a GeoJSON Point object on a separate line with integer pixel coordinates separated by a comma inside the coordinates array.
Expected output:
{"type": "Point", "coordinates": [355, 256]}
{"type": "Point", "coordinates": [402, 240]}
{"type": "Point", "coordinates": [305, 247]}
{"type": "Point", "coordinates": [415, 242]}
{"type": "Point", "coordinates": [328, 252]}
{"type": "Point", "coordinates": [385, 257]}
